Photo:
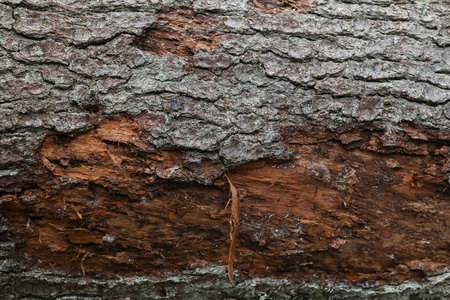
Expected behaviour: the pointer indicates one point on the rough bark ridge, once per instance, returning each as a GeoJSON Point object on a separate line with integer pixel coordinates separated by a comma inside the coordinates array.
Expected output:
{"type": "Point", "coordinates": [118, 119]}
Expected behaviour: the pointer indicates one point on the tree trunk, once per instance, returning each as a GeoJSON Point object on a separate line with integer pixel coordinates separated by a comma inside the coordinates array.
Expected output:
{"type": "Point", "coordinates": [126, 127]}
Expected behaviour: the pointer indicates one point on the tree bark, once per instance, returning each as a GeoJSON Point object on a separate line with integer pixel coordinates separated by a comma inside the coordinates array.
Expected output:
{"type": "Point", "coordinates": [125, 127]}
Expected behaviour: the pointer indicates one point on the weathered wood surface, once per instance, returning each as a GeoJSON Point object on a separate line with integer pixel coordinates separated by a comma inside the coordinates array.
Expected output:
{"type": "Point", "coordinates": [118, 120]}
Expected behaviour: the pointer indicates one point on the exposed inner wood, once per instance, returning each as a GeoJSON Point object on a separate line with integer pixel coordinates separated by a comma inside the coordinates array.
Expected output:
{"type": "Point", "coordinates": [181, 33]}
{"type": "Point", "coordinates": [275, 6]}
{"type": "Point", "coordinates": [345, 207]}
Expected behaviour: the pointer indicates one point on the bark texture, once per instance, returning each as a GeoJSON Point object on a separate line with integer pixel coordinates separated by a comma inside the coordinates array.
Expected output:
{"type": "Point", "coordinates": [118, 120]}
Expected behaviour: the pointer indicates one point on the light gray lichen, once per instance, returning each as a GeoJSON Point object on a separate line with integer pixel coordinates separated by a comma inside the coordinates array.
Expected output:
{"type": "Point", "coordinates": [211, 282]}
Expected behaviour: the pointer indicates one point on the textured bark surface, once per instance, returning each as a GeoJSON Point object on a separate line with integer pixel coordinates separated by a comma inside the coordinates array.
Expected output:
{"type": "Point", "coordinates": [118, 120]}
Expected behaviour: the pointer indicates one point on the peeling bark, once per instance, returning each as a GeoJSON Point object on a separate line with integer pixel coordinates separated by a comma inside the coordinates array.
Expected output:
{"type": "Point", "coordinates": [119, 120]}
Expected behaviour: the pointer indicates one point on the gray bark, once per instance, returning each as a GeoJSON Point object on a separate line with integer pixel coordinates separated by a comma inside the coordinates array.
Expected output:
{"type": "Point", "coordinates": [228, 98]}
